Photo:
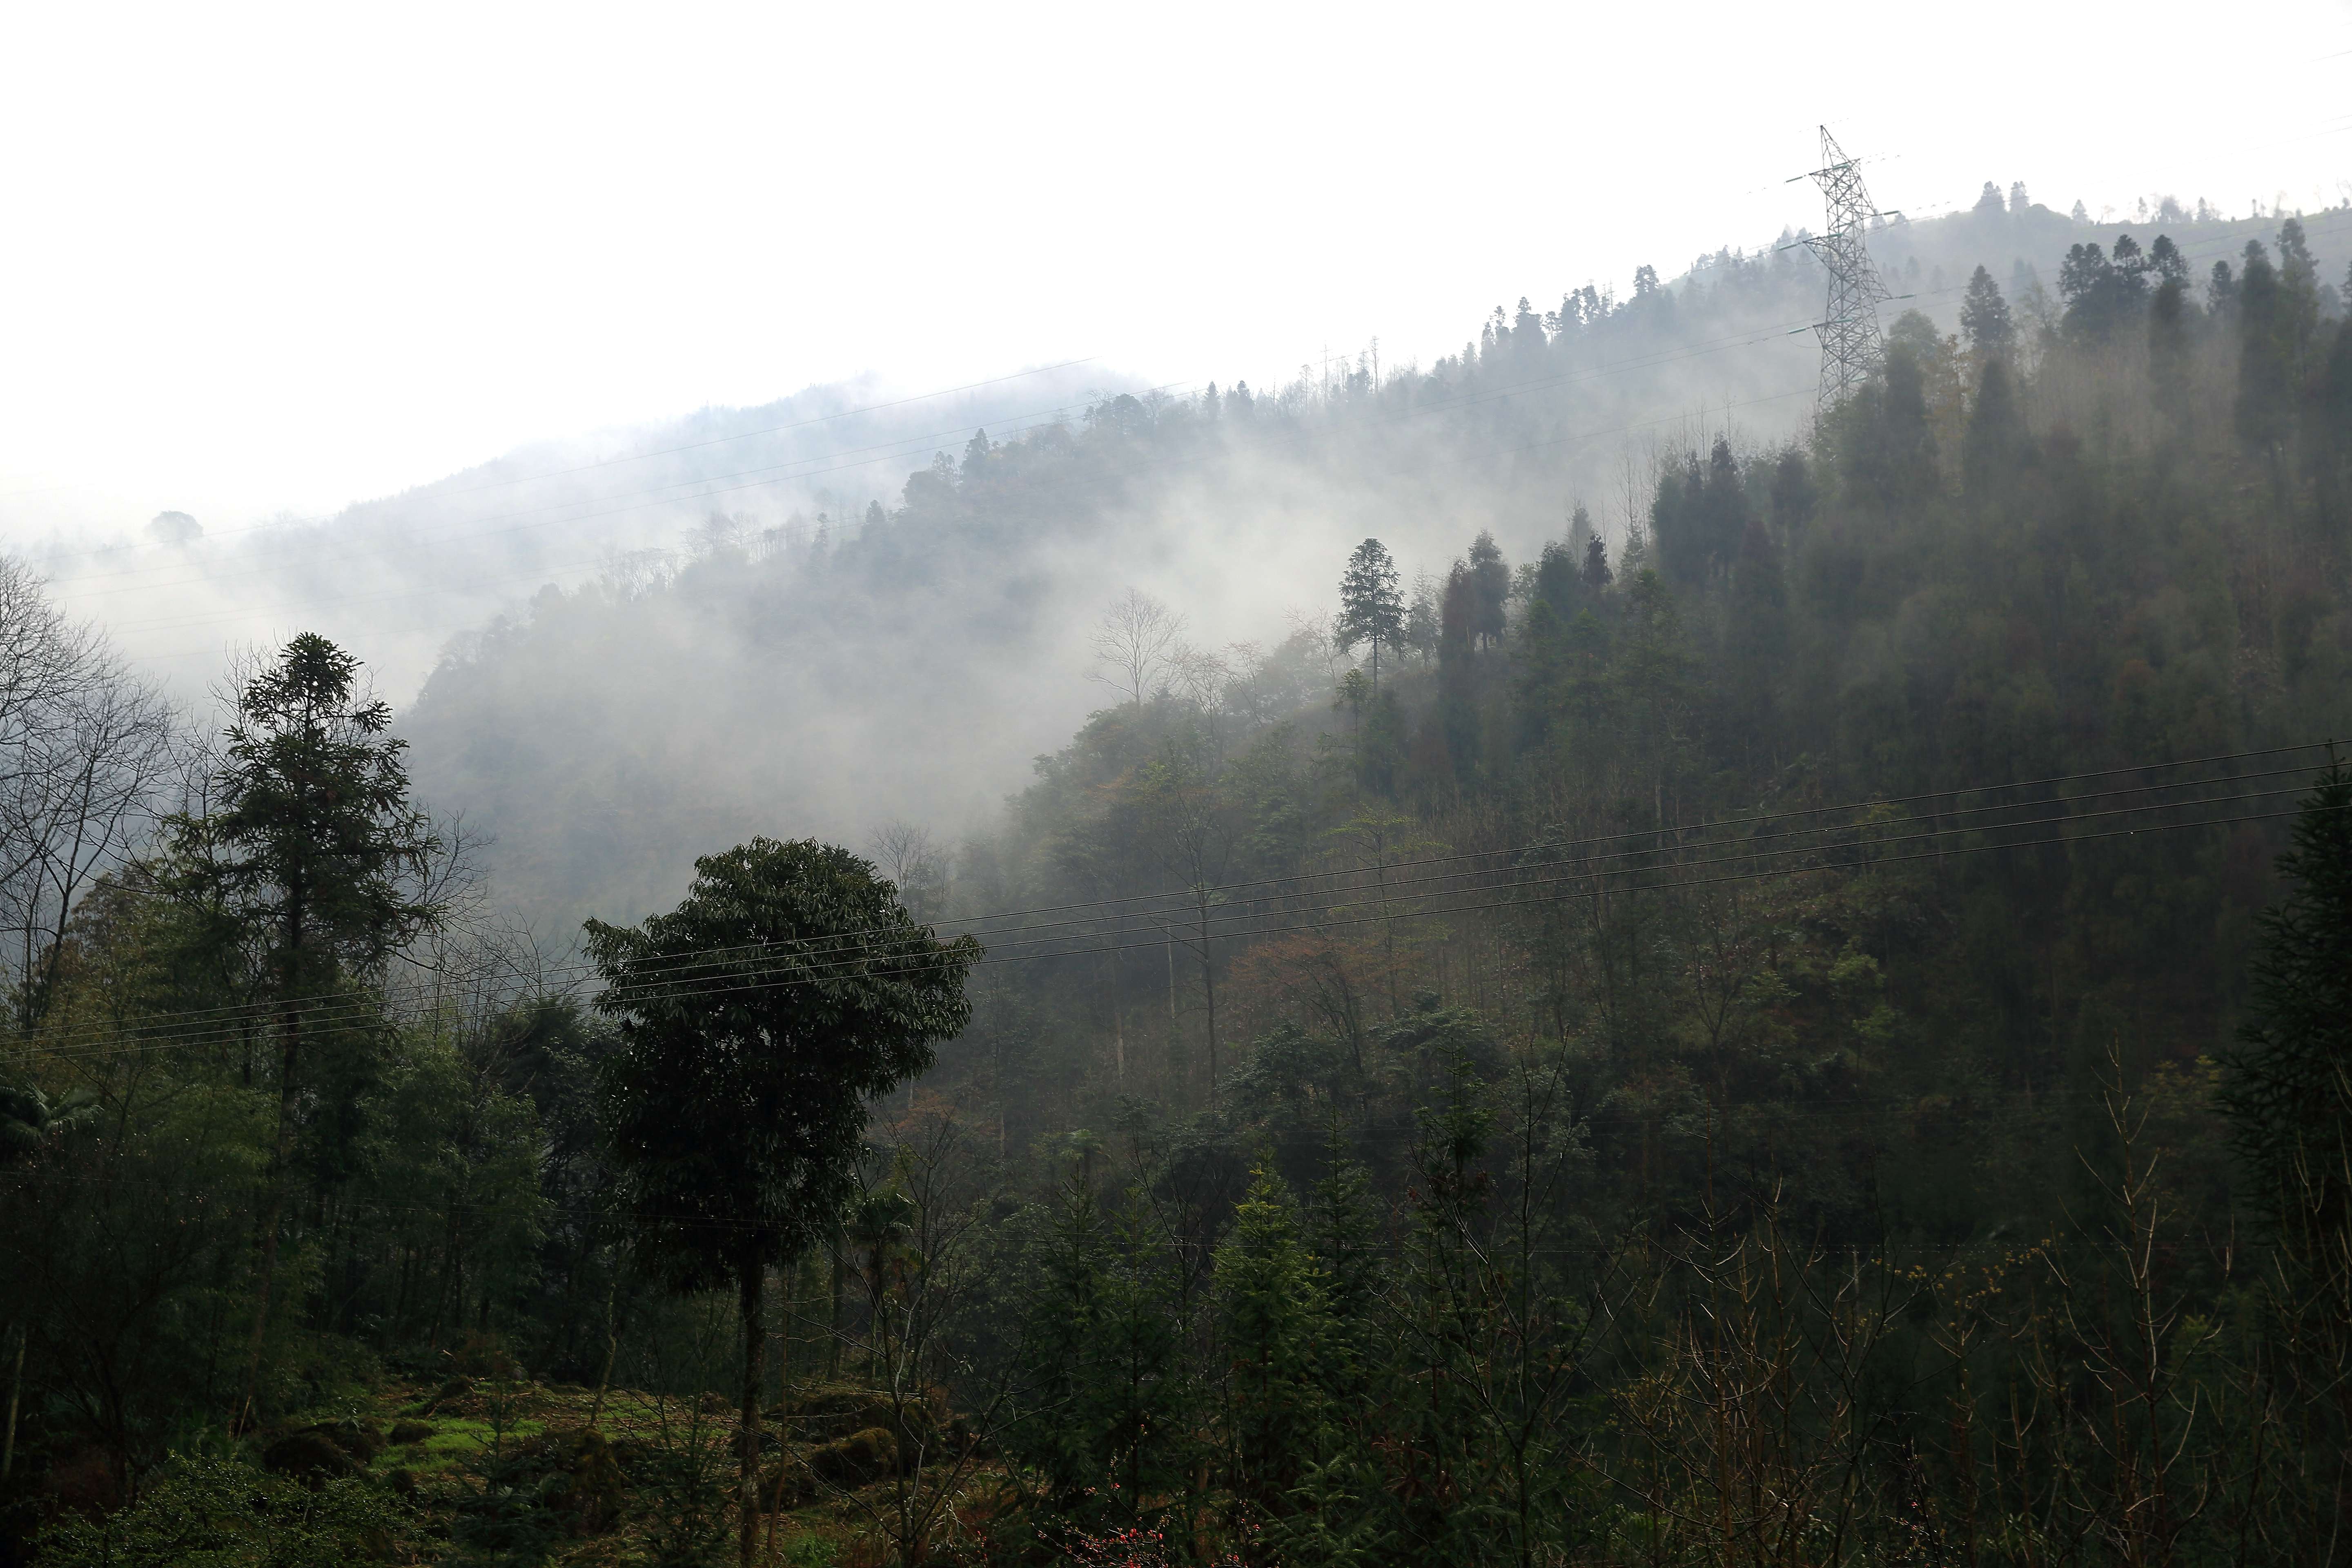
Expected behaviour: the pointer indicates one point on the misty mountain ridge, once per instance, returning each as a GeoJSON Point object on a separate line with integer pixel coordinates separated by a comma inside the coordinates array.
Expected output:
{"type": "Point", "coordinates": [771, 672]}
{"type": "Point", "coordinates": [401, 575]}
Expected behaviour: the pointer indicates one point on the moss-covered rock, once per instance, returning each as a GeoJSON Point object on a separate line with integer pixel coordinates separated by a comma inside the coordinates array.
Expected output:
{"type": "Point", "coordinates": [857, 1459]}
{"type": "Point", "coordinates": [363, 1440]}
{"type": "Point", "coordinates": [309, 1456]}
{"type": "Point", "coordinates": [596, 1487]}
{"type": "Point", "coordinates": [829, 1414]}
{"type": "Point", "coordinates": [843, 1465]}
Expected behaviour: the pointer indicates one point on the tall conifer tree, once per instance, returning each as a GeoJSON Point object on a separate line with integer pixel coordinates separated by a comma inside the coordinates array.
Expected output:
{"type": "Point", "coordinates": [1371, 608]}
{"type": "Point", "coordinates": [312, 864]}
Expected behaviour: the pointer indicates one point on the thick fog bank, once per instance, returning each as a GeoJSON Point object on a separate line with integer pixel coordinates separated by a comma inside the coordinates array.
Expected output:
{"type": "Point", "coordinates": [397, 577]}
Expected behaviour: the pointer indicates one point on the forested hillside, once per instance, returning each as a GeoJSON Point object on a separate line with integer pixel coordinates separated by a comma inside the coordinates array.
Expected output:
{"type": "Point", "coordinates": [1790, 1011]}
{"type": "Point", "coordinates": [908, 661]}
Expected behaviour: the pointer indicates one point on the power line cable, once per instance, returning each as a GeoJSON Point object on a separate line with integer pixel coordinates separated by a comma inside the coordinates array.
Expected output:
{"type": "Point", "coordinates": [1164, 908]}
{"type": "Point", "coordinates": [1325, 923]}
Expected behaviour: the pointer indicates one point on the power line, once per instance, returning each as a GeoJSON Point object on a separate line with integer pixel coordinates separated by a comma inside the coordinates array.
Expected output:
{"type": "Point", "coordinates": [1143, 911]}
{"type": "Point", "coordinates": [1166, 910]}
{"type": "Point", "coordinates": [1580, 877]}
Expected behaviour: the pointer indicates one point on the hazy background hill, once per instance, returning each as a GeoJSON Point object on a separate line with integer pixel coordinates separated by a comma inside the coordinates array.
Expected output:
{"type": "Point", "coordinates": [398, 576]}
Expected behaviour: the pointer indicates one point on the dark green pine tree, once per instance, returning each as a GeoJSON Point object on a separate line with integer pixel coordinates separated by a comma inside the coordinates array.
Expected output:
{"type": "Point", "coordinates": [1343, 1228]}
{"type": "Point", "coordinates": [1995, 438]}
{"type": "Point", "coordinates": [2298, 279]}
{"type": "Point", "coordinates": [2265, 381]}
{"type": "Point", "coordinates": [1371, 610]}
{"type": "Point", "coordinates": [756, 1022]}
{"type": "Point", "coordinates": [1539, 663]}
{"type": "Point", "coordinates": [2168, 343]}
{"type": "Point", "coordinates": [1061, 1319]}
{"type": "Point", "coordinates": [1457, 675]}
{"type": "Point", "coordinates": [1883, 435]}
{"type": "Point", "coordinates": [1143, 1395]}
{"type": "Point", "coordinates": [1556, 580]}
{"type": "Point", "coordinates": [1337, 1518]}
{"type": "Point", "coordinates": [1756, 640]}
{"type": "Point", "coordinates": [1724, 507]}
{"type": "Point", "coordinates": [1985, 319]}
{"type": "Point", "coordinates": [1794, 495]}
{"type": "Point", "coordinates": [1440, 1452]}
{"type": "Point", "coordinates": [312, 868]}
{"type": "Point", "coordinates": [2335, 406]}
{"type": "Point", "coordinates": [1538, 666]}
{"type": "Point", "coordinates": [2166, 262]}
{"type": "Point", "coordinates": [1274, 1327]}
{"type": "Point", "coordinates": [1677, 527]}
{"type": "Point", "coordinates": [2221, 293]}
{"type": "Point", "coordinates": [1595, 572]}
{"type": "Point", "coordinates": [1490, 590]}
{"type": "Point", "coordinates": [2288, 1089]}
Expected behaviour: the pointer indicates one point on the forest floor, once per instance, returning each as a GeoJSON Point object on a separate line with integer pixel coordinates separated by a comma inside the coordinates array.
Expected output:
{"type": "Point", "coordinates": [514, 1470]}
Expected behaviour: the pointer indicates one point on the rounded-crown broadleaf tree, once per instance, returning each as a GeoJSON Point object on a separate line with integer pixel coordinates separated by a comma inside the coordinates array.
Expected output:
{"type": "Point", "coordinates": [756, 1022]}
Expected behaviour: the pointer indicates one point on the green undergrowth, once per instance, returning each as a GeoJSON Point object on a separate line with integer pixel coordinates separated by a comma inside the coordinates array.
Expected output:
{"type": "Point", "coordinates": [504, 1472]}
{"type": "Point", "coordinates": [462, 1440]}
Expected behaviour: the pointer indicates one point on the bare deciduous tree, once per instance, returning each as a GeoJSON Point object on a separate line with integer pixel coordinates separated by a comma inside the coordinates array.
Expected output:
{"type": "Point", "coordinates": [84, 749]}
{"type": "Point", "coordinates": [1140, 646]}
{"type": "Point", "coordinates": [918, 868]}
{"type": "Point", "coordinates": [1197, 676]}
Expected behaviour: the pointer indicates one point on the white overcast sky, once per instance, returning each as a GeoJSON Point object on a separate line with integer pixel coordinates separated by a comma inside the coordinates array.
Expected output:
{"type": "Point", "coordinates": [254, 258]}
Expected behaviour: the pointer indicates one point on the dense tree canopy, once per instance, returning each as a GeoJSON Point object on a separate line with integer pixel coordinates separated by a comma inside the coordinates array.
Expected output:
{"type": "Point", "coordinates": [1795, 1021]}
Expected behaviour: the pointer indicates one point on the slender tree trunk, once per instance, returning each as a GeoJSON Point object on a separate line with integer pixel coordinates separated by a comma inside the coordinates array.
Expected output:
{"type": "Point", "coordinates": [1175, 1045]}
{"type": "Point", "coordinates": [832, 1322]}
{"type": "Point", "coordinates": [785, 1279]}
{"type": "Point", "coordinates": [273, 1206]}
{"type": "Point", "coordinates": [1388, 918]}
{"type": "Point", "coordinates": [1209, 991]}
{"type": "Point", "coordinates": [289, 1022]}
{"type": "Point", "coordinates": [747, 1427]}
{"type": "Point", "coordinates": [1118, 1025]}
{"type": "Point", "coordinates": [611, 1339]}
{"type": "Point", "coordinates": [16, 1393]}
{"type": "Point", "coordinates": [399, 1298]}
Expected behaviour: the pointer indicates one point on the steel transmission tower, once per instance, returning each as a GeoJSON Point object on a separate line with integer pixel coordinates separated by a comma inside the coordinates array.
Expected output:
{"type": "Point", "coordinates": [1851, 349]}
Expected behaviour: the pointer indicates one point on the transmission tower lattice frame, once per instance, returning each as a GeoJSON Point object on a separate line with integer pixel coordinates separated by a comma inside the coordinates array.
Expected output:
{"type": "Point", "coordinates": [1852, 349]}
